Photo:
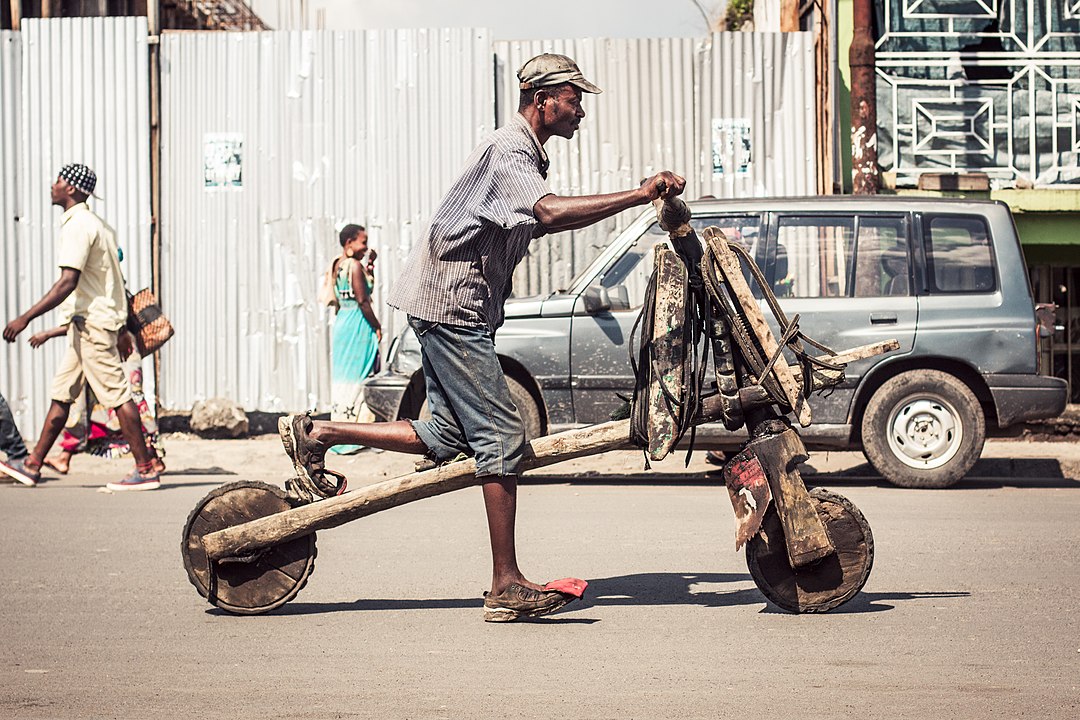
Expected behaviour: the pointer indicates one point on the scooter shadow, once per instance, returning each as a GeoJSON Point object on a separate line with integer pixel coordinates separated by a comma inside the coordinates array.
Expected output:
{"type": "Point", "coordinates": [713, 590]}
{"type": "Point", "coordinates": [700, 589]}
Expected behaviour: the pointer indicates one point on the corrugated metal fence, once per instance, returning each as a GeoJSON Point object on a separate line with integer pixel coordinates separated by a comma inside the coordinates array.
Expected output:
{"type": "Point", "coordinates": [324, 128]}
{"type": "Point", "coordinates": [271, 141]}
{"type": "Point", "coordinates": [98, 116]}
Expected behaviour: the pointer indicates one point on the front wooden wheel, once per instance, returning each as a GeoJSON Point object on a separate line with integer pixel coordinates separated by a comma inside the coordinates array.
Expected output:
{"type": "Point", "coordinates": [822, 585]}
{"type": "Point", "coordinates": [255, 583]}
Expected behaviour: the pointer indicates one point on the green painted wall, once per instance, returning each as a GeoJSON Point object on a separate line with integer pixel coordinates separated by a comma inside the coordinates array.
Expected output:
{"type": "Point", "coordinates": [1050, 238]}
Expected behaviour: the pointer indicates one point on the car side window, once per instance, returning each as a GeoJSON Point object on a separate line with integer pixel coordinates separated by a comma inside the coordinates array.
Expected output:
{"type": "Point", "coordinates": [633, 269]}
{"type": "Point", "coordinates": [745, 230]}
{"type": "Point", "coordinates": [817, 252]}
{"type": "Point", "coordinates": [882, 265]}
{"type": "Point", "coordinates": [959, 258]}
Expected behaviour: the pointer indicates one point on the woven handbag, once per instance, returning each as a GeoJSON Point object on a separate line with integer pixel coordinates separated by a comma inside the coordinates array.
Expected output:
{"type": "Point", "coordinates": [147, 322]}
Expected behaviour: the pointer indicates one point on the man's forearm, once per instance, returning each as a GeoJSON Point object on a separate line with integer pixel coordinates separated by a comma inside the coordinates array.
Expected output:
{"type": "Point", "coordinates": [56, 295]}
{"type": "Point", "coordinates": [558, 213]}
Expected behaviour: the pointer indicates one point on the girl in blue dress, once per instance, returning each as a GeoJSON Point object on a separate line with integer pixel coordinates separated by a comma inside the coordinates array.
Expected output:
{"type": "Point", "coordinates": [355, 341]}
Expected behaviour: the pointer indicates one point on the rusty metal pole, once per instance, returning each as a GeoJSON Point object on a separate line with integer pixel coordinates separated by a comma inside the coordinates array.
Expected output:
{"type": "Point", "coordinates": [865, 176]}
{"type": "Point", "coordinates": [153, 23]}
{"type": "Point", "coordinates": [789, 15]}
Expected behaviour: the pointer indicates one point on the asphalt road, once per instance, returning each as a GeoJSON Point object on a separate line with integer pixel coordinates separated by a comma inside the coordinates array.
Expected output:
{"type": "Point", "coordinates": [972, 610]}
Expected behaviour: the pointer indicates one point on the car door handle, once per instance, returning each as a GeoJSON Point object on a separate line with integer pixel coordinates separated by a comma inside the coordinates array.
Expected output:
{"type": "Point", "coordinates": [882, 318]}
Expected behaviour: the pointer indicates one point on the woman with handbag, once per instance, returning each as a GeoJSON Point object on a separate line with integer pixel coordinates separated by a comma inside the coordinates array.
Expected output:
{"type": "Point", "coordinates": [355, 341]}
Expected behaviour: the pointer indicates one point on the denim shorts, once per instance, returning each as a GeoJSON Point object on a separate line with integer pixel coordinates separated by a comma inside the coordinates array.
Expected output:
{"type": "Point", "coordinates": [471, 409]}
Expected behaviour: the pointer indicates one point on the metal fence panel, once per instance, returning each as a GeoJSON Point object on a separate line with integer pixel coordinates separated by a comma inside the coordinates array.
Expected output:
{"type": "Point", "coordinates": [668, 103]}
{"type": "Point", "coordinates": [270, 142]}
{"type": "Point", "coordinates": [757, 118]}
{"type": "Point", "coordinates": [10, 73]}
{"type": "Point", "coordinates": [980, 87]}
{"type": "Point", "coordinates": [98, 116]}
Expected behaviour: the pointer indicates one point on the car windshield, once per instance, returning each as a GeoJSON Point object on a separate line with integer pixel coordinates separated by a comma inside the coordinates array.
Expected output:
{"type": "Point", "coordinates": [740, 228]}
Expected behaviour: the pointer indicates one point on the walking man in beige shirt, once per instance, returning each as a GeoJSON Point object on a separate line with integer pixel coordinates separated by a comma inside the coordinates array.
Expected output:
{"type": "Point", "coordinates": [90, 275]}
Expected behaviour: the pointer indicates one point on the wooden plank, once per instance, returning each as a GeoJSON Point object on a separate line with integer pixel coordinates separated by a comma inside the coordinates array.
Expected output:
{"type": "Point", "coordinates": [729, 263]}
{"type": "Point", "coordinates": [846, 357]}
{"type": "Point", "coordinates": [298, 522]}
{"type": "Point", "coordinates": [804, 532]}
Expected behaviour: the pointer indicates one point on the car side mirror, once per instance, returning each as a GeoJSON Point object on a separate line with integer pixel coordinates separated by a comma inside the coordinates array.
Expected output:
{"type": "Point", "coordinates": [619, 297]}
{"type": "Point", "coordinates": [596, 300]}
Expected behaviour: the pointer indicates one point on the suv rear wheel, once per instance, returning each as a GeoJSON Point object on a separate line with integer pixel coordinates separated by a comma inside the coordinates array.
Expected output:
{"type": "Point", "coordinates": [923, 429]}
{"type": "Point", "coordinates": [523, 399]}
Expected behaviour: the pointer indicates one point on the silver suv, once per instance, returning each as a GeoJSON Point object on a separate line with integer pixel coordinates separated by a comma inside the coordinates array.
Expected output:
{"type": "Point", "coordinates": [945, 277]}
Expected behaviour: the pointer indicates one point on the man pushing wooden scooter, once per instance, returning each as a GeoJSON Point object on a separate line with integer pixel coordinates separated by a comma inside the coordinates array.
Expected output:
{"type": "Point", "coordinates": [249, 547]}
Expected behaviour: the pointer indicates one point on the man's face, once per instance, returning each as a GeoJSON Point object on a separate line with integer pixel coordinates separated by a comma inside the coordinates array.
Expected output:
{"type": "Point", "coordinates": [561, 111]}
{"type": "Point", "coordinates": [59, 191]}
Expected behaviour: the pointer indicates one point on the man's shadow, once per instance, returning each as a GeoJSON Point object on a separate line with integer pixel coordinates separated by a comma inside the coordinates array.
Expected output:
{"type": "Point", "coordinates": [713, 590]}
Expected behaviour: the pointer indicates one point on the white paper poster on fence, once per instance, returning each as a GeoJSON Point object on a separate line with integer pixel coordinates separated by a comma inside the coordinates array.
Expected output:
{"type": "Point", "coordinates": [223, 161]}
{"type": "Point", "coordinates": [732, 151]}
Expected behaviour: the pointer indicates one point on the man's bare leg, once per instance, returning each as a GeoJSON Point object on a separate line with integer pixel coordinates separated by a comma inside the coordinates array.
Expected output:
{"type": "Point", "coordinates": [500, 492]}
{"type": "Point", "coordinates": [396, 436]}
{"type": "Point", "coordinates": [54, 423]}
{"type": "Point", "coordinates": [500, 501]}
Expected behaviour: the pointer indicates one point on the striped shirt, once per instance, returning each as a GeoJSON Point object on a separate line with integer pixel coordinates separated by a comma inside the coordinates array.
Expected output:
{"type": "Point", "coordinates": [461, 270]}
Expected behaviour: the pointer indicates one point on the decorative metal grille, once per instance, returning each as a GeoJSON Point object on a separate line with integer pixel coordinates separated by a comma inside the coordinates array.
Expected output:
{"type": "Point", "coordinates": [980, 85]}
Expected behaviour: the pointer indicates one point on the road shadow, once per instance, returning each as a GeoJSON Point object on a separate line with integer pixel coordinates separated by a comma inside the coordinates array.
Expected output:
{"type": "Point", "coordinates": [166, 486]}
{"type": "Point", "coordinates": [592, 477]}
{"type": "Point", "coordinates": [878, 601]}
{"type": "Point", "coordinates": [987, 473]}
{"type": "Point", "coordinates": [711, 590]}
{"type": "Point", "coordinates": [214, 470]}
{"type": "Point", "coordinates": [694, 589]}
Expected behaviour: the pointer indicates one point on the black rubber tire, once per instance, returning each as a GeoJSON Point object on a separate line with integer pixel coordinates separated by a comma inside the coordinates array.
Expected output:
{"type": "Point", "coordinates": [923, 429]}
{"type": "Point", "coordinates": [526, 405]}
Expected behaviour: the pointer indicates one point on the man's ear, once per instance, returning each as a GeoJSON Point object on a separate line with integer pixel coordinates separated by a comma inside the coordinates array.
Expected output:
{"type": "Point", "coordinates": [540, 97]}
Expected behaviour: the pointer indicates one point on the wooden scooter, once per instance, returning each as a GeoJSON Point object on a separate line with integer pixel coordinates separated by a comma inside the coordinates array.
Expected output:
{"type": "Point", "coordinates": [249, 548]}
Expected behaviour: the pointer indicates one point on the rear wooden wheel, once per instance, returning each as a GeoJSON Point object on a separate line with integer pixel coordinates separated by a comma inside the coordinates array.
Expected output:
{"type": "Point", "coordinates": [822, 585]}
{"type": "Point", "coordinates": [255, 583]}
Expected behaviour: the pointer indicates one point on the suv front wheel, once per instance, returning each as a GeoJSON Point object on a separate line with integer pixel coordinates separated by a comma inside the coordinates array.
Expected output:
{"type": "Point", "coordinates": [923, 429]}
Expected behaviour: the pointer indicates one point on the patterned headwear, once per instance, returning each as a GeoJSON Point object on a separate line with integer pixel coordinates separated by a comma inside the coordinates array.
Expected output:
{"type": "Point", "coordinates": [79, 177]}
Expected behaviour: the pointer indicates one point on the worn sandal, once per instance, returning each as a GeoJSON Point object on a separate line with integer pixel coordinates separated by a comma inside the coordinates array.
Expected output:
{"type": "Point", "coordinates": [307, 460]}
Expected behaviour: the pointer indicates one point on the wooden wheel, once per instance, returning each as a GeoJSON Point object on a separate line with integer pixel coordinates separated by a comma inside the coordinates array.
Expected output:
{"type": "Point", "coordinates": [822, 585]}
{"type": "Point", "coordinates": [251, 584]}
